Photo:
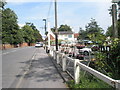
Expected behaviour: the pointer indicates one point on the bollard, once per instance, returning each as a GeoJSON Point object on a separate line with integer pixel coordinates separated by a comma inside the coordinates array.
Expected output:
{"type": "Point", "coordinates": [76, 72]}
{"type": "Point", "coordinates": [64, 64]}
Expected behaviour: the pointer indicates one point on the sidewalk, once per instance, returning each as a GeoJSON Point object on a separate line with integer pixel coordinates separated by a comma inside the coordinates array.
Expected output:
{"type": "Point", "coordinates": [43, 73]}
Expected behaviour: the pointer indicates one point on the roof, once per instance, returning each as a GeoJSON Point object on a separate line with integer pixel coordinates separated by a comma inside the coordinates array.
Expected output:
{"type": "Point", "coordinates": [65, 32]}
{"type": "Point", "coordinates": [76, 35]}
{"type": "Point", "coordinates": [51, 37]}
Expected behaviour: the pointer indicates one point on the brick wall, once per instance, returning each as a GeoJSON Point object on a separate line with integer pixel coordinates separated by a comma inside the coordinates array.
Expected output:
{"type": "Point", "coordinates": [8, 46]}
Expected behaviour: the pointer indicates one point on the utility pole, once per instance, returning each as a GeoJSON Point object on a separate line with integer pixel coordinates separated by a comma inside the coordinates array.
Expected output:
{"type": "Point", "coordinates": [114, 20]}
{"type": "Point", "coordinates": [56, 31]}
{"type": "Point", "coordinates": [119, 10]}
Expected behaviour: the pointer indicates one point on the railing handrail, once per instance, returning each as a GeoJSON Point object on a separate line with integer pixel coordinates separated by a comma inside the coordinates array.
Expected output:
{"type": "Point", "coordinates": [101, 76]}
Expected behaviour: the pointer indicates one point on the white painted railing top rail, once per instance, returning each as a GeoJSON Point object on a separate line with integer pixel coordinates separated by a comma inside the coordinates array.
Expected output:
{"type": "Point", "coordinates": [78, 65]}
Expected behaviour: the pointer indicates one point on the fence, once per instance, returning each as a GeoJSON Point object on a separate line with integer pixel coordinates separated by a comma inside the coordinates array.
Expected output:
{"type": "Point", "coordinates": [67, 63]}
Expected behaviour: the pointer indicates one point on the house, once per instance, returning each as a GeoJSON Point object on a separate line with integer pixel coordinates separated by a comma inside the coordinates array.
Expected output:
{"type": "Point", "coordinates": [66, 35]}
{"type": "Point", "coordinates": [76, 36]}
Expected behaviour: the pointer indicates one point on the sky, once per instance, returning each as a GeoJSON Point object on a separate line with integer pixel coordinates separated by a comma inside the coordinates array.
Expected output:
{"type": "Point", "coordinates": [76, 14]}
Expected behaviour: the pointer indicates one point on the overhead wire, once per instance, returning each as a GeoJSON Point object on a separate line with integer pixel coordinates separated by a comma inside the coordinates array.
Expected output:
{"type": "Point", "coordinates": [49, 9]}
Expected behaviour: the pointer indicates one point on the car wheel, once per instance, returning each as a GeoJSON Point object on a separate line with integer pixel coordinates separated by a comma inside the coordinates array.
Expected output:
{"type": "Point", "coordinates": [86, 53]}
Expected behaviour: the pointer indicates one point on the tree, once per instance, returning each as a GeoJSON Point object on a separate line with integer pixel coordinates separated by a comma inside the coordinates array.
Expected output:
{"type": "Point", "coordinates": [93, 27]}
{"type": "Point", "coordinates": [28, 34]}
{"type": "Point", "coordinates": [92, 31]}
{"type": "Point", "coordinates": [9, 26]}
{"type": "Point", "coordinates": [109, 31]}
{"type": "Point", "coordinates": [82, 34]}
{"type": "Point", "coordinates": [36, 33]}
{"type": "Point", "coordinates": [64, 28]}
{"type": "Point", "coordinates": [2, 4]}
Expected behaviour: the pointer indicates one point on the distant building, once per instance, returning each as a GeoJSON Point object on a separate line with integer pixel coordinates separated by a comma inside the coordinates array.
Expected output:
{"type": "Point", "coordinates": [66, 35]}
{"type": "Point", "coordinates": [76, 36]}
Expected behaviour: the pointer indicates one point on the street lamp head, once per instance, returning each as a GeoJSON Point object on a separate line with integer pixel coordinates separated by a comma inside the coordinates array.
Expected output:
{"type": "Point", "coordinates": [44, 19]}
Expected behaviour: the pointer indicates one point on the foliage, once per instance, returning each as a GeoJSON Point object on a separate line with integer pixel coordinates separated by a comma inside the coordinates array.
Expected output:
{"type": "Point", "coordinates": [108, 62]}
{"type": "Point", "coordinates": [109, 31]}
{"type": "Point", "coordinates": [82, 34]}
{"type": "Point", "coordinates": [36, 33]}
{"type": "Point", "coordinates": [64, 28]}
{"type": "Point", "coordinates": [2, 4]}
{"type": "Point", "coordinates": [92, 31]}
{"type": "Point", "coordinates": [9, 26]}
{"type": "Point", "coordinates": [88, 81]}
{"type": "Point", "coordinates": [10, 30]}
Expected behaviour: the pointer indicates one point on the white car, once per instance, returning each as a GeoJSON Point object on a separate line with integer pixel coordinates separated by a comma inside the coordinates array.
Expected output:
{"type": "Point", "coordinates": [38, 44]}
{"type": "Point", "coordinates": [86, 50]}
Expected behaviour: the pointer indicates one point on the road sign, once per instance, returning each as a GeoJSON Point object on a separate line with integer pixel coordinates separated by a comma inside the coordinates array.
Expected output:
{"type": "Point", "coordinates": [115, 1]}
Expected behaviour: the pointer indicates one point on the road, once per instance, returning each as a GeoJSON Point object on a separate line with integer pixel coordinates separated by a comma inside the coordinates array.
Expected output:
{"type": "Point", "coordinates": [29, 67]}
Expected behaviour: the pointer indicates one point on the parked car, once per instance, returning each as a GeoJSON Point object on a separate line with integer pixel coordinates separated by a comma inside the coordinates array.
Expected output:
{"type": "Point", "coordinates": [78, 54]}
{"type": "Point", "coordinates": [86, 51]}
{"type": "Point", "coordinates": [38, 44]}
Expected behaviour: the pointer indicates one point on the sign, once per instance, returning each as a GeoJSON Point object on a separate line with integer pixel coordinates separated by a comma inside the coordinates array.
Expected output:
{"type": "Point", "coordinates": [115, 1]}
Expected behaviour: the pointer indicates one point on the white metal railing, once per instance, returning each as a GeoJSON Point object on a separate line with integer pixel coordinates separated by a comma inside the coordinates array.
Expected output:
{"type": "Point", "coordinates": [61, 57]}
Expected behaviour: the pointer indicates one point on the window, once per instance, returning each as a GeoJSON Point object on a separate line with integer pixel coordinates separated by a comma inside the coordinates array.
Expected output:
{"type": "Point", "coordinates": [69, 36]}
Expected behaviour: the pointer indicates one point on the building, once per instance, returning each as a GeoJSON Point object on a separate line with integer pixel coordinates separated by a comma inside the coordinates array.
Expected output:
{"type": "Point", "coordinates": [66, 35]}
{"type": "Point", "coordinates": [63, 35]}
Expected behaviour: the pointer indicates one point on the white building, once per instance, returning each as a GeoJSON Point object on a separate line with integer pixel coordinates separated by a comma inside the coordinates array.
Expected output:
{"type": "Point", "coordinates": [66, 35]}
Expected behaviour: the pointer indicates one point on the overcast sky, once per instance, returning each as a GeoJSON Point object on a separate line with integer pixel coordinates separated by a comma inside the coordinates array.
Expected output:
{"type": "Point", "coordinates": [75, 14]}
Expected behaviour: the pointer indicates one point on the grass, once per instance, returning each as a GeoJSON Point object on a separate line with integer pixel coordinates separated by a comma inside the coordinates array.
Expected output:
{"type": "Point", "coordinates": [88, 81]}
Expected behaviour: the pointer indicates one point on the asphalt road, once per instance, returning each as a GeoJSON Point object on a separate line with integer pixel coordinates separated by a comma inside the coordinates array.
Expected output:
{"type": "Point", "coordinates": [29, 67]}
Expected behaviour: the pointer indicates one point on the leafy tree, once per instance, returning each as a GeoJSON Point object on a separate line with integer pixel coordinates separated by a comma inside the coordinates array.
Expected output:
{"type": "Point", "coordinates": [93, 27]}
{"type": "Point", "coordinates": [9, 26]}
{"type": "Point", "coordinates": [64, 28]}
{"type": "Point", "coordinates": [28, 34]}
{"type": "Point", "coordinates": [53, 29]}
{"type": "Point", "coordinates": [109, 31]}
{"type": "Point", "coordinates": [92, 31]}
{"type": "Point", "coordinates": [36, 33]}
{"type": "Point", "coordinates": [2, 4]}
{"type": "Point", "coordinates": [82, 34]}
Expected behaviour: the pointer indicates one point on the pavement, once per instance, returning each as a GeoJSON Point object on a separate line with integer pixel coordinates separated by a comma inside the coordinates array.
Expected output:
{"type": "Point", "coordinates": [37, 72]}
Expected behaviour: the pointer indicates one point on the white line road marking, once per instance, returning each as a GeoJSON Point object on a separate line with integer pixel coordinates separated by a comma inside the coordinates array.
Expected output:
{"type": "Point", "coordinates": [22, 78]}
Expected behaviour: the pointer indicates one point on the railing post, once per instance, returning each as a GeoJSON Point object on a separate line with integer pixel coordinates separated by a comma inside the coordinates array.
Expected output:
{"type": "Point", "coordinates": [58, 59]}
{"type": "Point", "coordinates": [118, 84]}
{"type": "Point", "coordinates": [54, 55]}
{"type": "Point", "coordinates": [76, 72]}
{"type": "Point", "coordinates": [50, 52]}
{"type": "Point", "coordinates": [64, 63]}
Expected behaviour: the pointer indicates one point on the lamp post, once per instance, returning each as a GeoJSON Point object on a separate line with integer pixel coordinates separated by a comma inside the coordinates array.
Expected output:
{"type": "Point", "coordinates": [45, 24]}
{"type": "Point", "coordinates": [45, 34]}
